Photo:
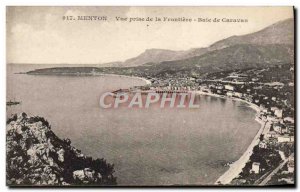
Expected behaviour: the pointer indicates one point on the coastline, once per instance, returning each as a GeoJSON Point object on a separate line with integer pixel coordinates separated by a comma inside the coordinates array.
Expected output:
{"type": "Point", "coordinates": [135, 77]}
{"type": "Point", "coordinates": [236, 167]}
{"type": "Point", "coordinates": [90, 74]}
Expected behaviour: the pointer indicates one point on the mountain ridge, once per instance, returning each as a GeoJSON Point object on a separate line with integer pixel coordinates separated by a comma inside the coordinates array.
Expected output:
{"type": "Point", "coordinates": [281, 32]}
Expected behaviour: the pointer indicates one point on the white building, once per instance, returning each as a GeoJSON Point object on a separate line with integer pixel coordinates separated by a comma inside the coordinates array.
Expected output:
{"type": "Point", "coordinates": [285, 138]}
{"type": "Point", "coordinates": [220, 87]}
{"type": "Point", "coordinates": [289, 119]}
{"type": "Point", "coordinates": [274, 109]}
{"type": "Point", "coordinates": [291, 165]}
{"type": "Point", "coordinates": [256, 167]}
{"type": "Point", "coordinates": [237, 94]}
{"type": "Point", "coordinates": [229, 87]}
{"type": "Point", "coordinates": [229, 93]}
{"type": "Point", "coordinates": [278, 113]}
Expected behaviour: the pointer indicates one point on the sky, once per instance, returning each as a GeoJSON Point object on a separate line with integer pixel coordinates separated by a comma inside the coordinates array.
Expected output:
{"type": "Point", "coordinates": [39, 35]}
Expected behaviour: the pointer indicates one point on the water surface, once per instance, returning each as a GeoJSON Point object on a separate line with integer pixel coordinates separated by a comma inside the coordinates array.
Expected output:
{"type": "Point", "coordinates": [147, 147]}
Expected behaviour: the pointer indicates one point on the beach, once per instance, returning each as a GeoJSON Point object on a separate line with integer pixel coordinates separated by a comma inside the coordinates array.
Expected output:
{"type": "Point", "coordinates": [237, 167]}
{"type": "Point", "coordinates": [126, 76]}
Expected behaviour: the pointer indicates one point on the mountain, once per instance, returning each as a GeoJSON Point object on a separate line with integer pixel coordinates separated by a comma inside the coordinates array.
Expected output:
{"type": "Point", "coordinates": [235, 57]}
{"type": "Point", "coordinates": [37, 157]}
{"type": "Point", "coordinates": [241, 56]}
{"type": "Point", "coordinates": [155, 56]}
{"type": "Point", "coordinates": [152, 56]}
{"type": "Point", "coordinates": [281, 32]}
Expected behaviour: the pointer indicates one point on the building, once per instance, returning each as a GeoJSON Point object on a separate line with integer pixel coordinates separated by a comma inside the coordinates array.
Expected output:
{"type": "Point", "coordinates": [291, 165]}
{"type": "Point", "coordinates": [262, 145]}
{"type": "Point", "coordinates": [289, 119]}
{"type": "Point", "coordinates": [219, 87]}
{"type": "Point", "coordinates": [265, 98]}
{"type": "Point", "coordinates": [229, 93]}
{"type": "Point", "coordinates": [285, 138]}
{"type": "Point", "coordinates": [237, 94]}
{"type": "Point", "coordinates": [278, 113]}
{"type": "Point", "coordinates": [256, 167]}
{"type": "Point", "coordinates": [290, 128]}
{"type": "Point", "coordinates": [258, 87]}
{"type": "Point", "coordinates": [278, 127]}
{"type": "Point", "coordinates": [284, 130]}
{"type": "Point", "coordinates": [271, 118]}
{"type": "Point", "coordinates": [212, 86]}
{"type": "Point", "coordinates": [229, 87]}
{"type": "Point", "coordinates": [274, 109]}
{"type": "Point", "coordinates": [271, 134]}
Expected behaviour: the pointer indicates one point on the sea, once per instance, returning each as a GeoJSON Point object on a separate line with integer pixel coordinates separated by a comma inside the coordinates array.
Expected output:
{"type": "Point", "coordinates": [148, 147]}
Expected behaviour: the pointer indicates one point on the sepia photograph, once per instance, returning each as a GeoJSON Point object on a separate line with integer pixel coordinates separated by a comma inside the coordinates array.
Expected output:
{"type": "Point", "coordinates": [150, 96]}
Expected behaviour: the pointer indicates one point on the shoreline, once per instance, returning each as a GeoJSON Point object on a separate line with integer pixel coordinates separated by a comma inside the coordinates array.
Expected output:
{"type": "Point", "coordinates": [236, 167]}
{"type": "Point", "coordinates": [126, 76]}
{"type": "Point", "coordinates": [98, 74]}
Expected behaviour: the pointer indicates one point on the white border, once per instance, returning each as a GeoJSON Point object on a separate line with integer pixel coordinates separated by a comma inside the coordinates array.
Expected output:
{"type": "Point", "coordinates": [5, 3]}
{"type": "Point", "coordinates": [154, 2]}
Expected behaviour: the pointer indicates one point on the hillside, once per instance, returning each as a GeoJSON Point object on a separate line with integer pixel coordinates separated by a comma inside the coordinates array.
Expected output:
{"type": "Point", "coordinates": [281, 32]}
{"type": "Point", "coordinates": [237, 56]}
{"type": "Point", "coordinates": [230, 58]}
{"type": "Point", "coordinates": [234, 57]}
{"type": "Point", "coordinates": [37, 157]}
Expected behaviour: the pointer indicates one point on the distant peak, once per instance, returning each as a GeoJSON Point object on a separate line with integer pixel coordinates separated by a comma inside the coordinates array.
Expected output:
{"type": "Point", "coordinates": [156, 50]}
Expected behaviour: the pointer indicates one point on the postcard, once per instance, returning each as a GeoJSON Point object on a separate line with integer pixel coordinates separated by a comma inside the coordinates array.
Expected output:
{"type": "Point", "coordinates": [150, 96]}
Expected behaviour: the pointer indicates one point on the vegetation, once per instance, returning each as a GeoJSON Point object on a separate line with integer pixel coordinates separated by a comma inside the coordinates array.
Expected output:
{"type": "Point", "coordinates": [36, 156]}
{"type": "Point", "coordinates": [268, 159]}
